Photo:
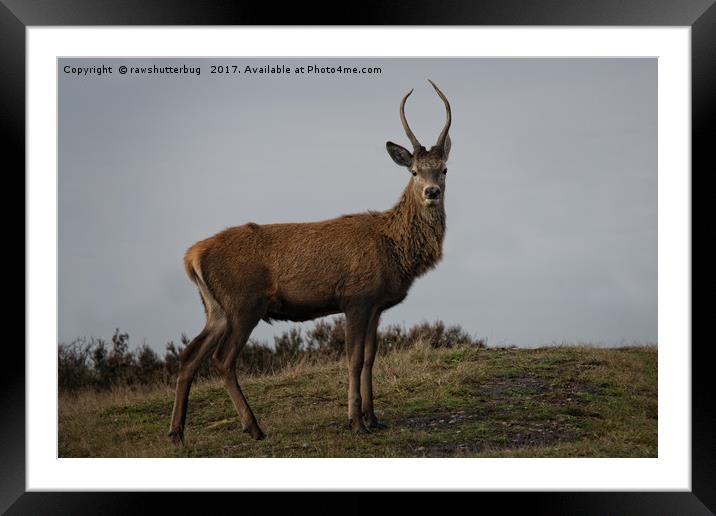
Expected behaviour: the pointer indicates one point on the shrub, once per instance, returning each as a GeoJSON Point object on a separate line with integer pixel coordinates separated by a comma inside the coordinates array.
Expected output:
{"type": "Point", "coordinates": [327, 338]}
{"type": "Point", "coordinates": [93, 364]}
{"type": "Point", "coordinates": [438, 336]}
{"type": "Point", "coordinates": [74, 369]}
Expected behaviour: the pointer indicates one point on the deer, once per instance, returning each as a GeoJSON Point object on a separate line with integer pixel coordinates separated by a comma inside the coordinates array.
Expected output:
{"type": "Point", "coordinates": [359, 265]}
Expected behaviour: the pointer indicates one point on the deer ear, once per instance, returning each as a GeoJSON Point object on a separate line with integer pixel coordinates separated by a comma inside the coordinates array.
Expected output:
{"type": "Point", "coordinates": [399, 154]}
{"type": "Point", "coordinates": [446, 147]}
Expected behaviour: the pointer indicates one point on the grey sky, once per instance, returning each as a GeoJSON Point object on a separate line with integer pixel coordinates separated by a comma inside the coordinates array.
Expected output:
{"type": "Point", "coordinates": [551, 196]}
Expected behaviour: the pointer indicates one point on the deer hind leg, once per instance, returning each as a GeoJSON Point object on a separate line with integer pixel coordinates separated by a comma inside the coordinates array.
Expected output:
{"type": "Point", "coordinates": [356, 325]}
{"type": "Point", "coordinates": [194, 354]}
{"type": "Point", "coordinates": [190, 360]}
{"type": "Point", "coordinates": [224, 360]}
{"type": "Point", "coordinates": [366, 377]}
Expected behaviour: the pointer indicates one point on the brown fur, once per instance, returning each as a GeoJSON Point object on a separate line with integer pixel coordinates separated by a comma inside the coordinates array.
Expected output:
{"type": "Point", "coordinates": [360, 265]}
{"type": "Point", "coordinates": [302, 271]}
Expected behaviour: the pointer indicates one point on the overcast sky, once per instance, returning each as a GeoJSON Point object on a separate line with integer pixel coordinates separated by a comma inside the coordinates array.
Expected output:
{"type": "Point", "coordinates": [551, 196]}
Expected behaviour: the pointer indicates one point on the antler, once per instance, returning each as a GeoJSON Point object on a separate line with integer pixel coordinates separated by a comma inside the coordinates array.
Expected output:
{"type": "Point", "coordinates": [444, 133]}
{"type": "Point", "coordinates": [411, 136]}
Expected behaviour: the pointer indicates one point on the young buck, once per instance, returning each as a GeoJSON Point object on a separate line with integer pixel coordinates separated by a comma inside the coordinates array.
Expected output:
{"type": "Point", "coordinates": [359, 265]}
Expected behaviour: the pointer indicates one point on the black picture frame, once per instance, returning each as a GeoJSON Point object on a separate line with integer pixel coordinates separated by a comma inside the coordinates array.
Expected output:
{"type": "Point", "coordinates": [700, 15]}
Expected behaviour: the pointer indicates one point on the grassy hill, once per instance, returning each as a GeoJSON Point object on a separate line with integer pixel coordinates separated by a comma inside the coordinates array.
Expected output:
{"type": "Point", "coordinates": [458, 402]}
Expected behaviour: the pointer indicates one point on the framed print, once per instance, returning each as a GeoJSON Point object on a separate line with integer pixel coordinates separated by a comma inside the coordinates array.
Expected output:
{"type": "Point", "coordinates": [245, 258]}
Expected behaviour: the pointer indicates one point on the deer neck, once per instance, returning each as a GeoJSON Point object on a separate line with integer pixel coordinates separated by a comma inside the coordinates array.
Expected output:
{"type": "Point", "coordinates": [415, 233]}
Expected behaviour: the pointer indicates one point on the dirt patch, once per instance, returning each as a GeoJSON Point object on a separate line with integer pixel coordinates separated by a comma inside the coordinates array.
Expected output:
{"type": "Point", "coordinates": [510, 436]}
{"type": "Point", "coordinates": [506, 413]}
{"type": "Point", "coordinates": [437, 420]}
{"type": "Point", "coordinates": [520, 385]}
{"type": "Point", "coordinates": [533, 388]}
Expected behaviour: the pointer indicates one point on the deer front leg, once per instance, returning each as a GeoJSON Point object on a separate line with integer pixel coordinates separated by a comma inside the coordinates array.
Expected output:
{"type": "Point", "coordinates": [356, 323]}
{"type": "Point", "coordinates": [366, 378]}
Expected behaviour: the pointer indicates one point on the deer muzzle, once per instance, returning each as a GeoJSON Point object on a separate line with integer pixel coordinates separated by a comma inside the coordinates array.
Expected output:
{"type": "Point", "coordinates": [432, 194]}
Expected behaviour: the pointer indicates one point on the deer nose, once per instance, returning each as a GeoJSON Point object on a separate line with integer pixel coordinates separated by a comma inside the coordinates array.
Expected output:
{"type": "Point", "coordinates": [432, 192]}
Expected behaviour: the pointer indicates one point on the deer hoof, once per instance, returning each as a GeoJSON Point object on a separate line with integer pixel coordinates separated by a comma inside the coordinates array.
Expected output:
{"type": "Point", "coordinates": [358, 427]}
{"type": "Point", "coordinates": [372, 422]}
{"type": "Point", "coordinates": [177, 436]}
{"type": "Point", "coordinates": [255, 432]}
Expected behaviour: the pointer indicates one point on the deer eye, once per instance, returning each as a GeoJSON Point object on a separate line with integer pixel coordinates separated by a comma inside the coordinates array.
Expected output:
{"type": "Point", "coordinates": [414, 173]}
{"type": "Point", "coordinates": [445, 172]}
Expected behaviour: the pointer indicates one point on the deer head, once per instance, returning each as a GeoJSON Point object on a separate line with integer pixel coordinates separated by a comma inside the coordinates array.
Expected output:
{"type": "Point", "coordinates": [428, 167]}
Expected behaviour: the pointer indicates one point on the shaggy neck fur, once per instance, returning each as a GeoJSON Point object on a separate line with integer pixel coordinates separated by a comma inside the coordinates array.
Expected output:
{"type": "Point", "coordinates": [416, 233]}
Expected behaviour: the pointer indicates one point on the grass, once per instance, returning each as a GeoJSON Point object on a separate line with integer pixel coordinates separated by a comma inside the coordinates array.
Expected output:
{"type": "Point", "coordinates": [456, 402]}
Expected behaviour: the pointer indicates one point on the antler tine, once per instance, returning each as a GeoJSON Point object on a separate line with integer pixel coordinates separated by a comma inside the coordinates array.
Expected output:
{"type": "Point", "coordinates": [444, 133]}
{"type": "Point", "coordinates": [411, 136]}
